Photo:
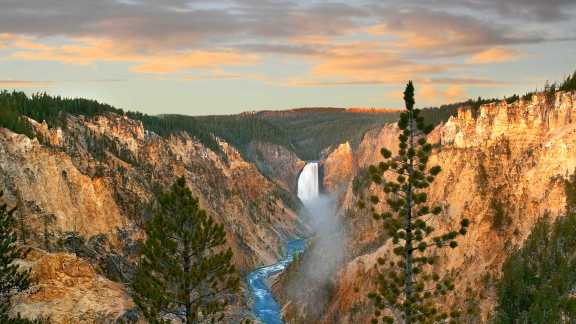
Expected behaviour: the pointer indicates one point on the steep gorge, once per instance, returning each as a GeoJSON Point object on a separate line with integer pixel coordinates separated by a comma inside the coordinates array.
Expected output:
{"type": "Point", "coordinates": [89, 185]}
{"type": "Point", "coordinates": [85, 189]}
{"type": "Point", "coordinates": [504, 165]}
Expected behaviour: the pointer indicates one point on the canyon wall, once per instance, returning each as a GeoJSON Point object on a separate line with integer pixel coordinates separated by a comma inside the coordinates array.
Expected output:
{"type": "Point", "coordinates": [84, 191]}
{"type": "Point", "coordinates": [505, 165]}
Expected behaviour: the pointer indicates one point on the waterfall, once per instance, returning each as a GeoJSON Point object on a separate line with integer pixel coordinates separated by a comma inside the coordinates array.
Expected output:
{"type": "Point", "coordinates": [308, 188]}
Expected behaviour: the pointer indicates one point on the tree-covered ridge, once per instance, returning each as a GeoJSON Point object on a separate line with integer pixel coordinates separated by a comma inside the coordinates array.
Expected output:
{"type": "Point", "coordinates": [240, 130]}
{"type": "Point", "coordinates": [43, 107]}
{"type": "Point", "coordinates": [538, 284]}
{"type": "Point", "coordinates": [313, 130]}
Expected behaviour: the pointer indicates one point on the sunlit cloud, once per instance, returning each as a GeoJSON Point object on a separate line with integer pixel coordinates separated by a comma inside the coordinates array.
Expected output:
{"type": "Point", "coordinates": [89, 51]}
{"type": "Point", "coordinates": [194, 60]}
{"type": "Point", "coordinates": [494, 55]}
{"type": "Point", "coordinates": [364, 63]}
{"type": "Point", "coordinates": [430, 94]}
{"type": "Point", "coordinates": [22, 84]}
{"type": "Point", "coordinates": [455, 93]}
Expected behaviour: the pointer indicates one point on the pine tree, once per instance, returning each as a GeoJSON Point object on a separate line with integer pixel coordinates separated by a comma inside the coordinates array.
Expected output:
{"type": "Point", "coordinates": [12, 279]}
{"type": "Point", "coordinates": [185, 270]}
{"type": "Point", "coordinates": [407, 285]}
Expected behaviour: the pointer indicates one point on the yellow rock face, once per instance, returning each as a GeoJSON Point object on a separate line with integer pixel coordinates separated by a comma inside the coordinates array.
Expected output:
{"type": "Point", "coordinates": [68, 290]}
{"type": "Point", "coordinates": [504, 160]}
{"type": "Point", "coordinates": [97, 178]}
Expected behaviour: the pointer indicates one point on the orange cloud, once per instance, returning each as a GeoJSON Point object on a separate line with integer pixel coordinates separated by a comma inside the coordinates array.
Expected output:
{"type": "Point", "coordinates": [369, 62]}
{"type": "Point", "coordinates": [429, 95]}
{"type": "Point", "coordinates": [493, 55]}
{"type": "Point", "coordinates": [20, 84]}
{"type": "Point", "coordinates": [414, 39]}
{"type": "Point", "coordinates": [193, 60]}
{"type": "Point", "coordinates": [86, 51]}
{"type": "Point", "coordinates": [454, 93]}
{"type": "Point", "coordinates": [91, 50]}
{"type": "Point", "coordinates": [427, 92]}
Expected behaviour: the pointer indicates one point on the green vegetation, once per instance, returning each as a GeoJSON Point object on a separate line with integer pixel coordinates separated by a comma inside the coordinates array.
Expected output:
{"type": "Point", "coordinates": [48, 108]}
{"type": "Point", "coordinates": [538, 280]}
{"type": "Point", "coordinates": [538, 283]}
{"type": "Point", "coordinates": [43, 107]}
{"type": "Point", "coordinates": [569, 84]}
{"type": "Point", "coordinates": [240, 130]}
{"type": "Point", "coordinates": [12, 279]}
{"type": "Point", "coordinates": [312, 130]}
{"type": "Point", "coordinates": [184, 271]}
{"type": "Point", "coordinates": [436, 115]}
{"type": "Point", "coordinates": [408, 284]}
{"type": "Point", "coordinates": [166, 125]}
{"type": "Point", "coordinates": [11, 119]}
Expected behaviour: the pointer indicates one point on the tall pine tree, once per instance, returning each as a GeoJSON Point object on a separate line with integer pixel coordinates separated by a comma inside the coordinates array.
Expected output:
{"type": "Point", "coordinates": [406, 284]}
{"type": "Point", "coordinates": [12, 279]}
{"type": "Point", "coordinates": [185, 269]}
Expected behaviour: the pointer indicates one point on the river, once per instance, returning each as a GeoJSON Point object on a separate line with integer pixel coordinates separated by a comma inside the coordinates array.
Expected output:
{"type": "Point", "coordinates": [264, 306]}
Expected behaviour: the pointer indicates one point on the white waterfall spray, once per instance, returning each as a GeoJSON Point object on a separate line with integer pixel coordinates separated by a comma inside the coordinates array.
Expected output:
{"type": "Point", "coordinates": [308, 187]}
{"type": "Point", "coordinates": [325, 253]}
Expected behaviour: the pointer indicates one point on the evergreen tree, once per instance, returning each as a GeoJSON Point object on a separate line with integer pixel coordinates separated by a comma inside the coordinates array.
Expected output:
{"type": "Point", "coordinates": [185, 270]}
{"type": "Point", "coordinates": [12, 279]}
{"type": "Point", "coordinates": [406, 285]}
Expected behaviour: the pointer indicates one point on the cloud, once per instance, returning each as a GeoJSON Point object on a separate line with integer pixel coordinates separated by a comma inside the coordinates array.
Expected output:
{"type": "Point", "coordinates": [82, 52]}
{"type": "Point", "coordinates": [21, 84]}
{"type": "Point", "coordinates": [546, 11]}
{"type": "Point", "coordinates": [454, 93]}
{"type": "Point", "coordinates": [467, 81]}
{"type": "Point", "coordinates": [89, 50]}
{"type": "Point", "coordinates": [343, 43]}
{"type": "Point", "coordinates": [522, 10]}
{"type": "Point", "coordinates": [194, 60]}
{"type": "Point", "coordinates": [369, 61]}
{"type": "Point", "coordinates": [494, 55]}
{"type": "Point", "coordinates": [430, 94]}
{"type": "Point", "coordinates": [444, 34]}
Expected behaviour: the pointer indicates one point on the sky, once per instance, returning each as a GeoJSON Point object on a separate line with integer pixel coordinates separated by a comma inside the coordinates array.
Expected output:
{"type": "Point", "coordinates": [228, 56]}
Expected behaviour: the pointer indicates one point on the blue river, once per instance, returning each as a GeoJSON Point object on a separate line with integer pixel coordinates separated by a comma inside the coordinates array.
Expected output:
{"type": "Point", "coordinates": [264, 306]}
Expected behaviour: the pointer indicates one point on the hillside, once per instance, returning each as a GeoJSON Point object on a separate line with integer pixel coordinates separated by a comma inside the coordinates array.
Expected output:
{"type": "Point", "coordinates": [505, 166]}
{"type": "Point", "coordinates": [84, 192]}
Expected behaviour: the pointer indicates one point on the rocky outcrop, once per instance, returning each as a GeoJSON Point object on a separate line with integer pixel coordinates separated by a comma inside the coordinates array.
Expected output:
{"type": "Point", "coordinates": [504, 166]}
{"type": "Point", "coordinates": [88, 187]}
{"type": "Point", "coordinates": [278, 163]}
{"type": "Point", "coordinates": [67, 289]}
{"type": "Point", "coordinates": [338, 168]}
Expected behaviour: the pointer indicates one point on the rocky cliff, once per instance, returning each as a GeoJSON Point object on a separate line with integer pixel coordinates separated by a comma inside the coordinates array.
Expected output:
{"type": "Point", "coordinates": [504, 165]}
{"type": "Point", "coordinates": [85, 189]}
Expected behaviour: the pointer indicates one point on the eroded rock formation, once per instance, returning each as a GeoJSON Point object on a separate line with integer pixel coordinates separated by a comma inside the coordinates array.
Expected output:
{"type": "Point", "coordinates": [504, 166]}
{"type": "Point", "coordinates": [87, 188]}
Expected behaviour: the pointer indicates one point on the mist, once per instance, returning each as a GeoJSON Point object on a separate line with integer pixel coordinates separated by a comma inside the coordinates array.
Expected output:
{"type": "Point", "coordinates": [313, 283]}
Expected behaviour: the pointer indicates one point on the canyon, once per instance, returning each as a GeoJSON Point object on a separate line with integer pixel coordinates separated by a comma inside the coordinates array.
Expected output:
{"type": "Point", "coordinates": [84, 190]}
{"type": "Point", "coordinates": [505, 166]}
